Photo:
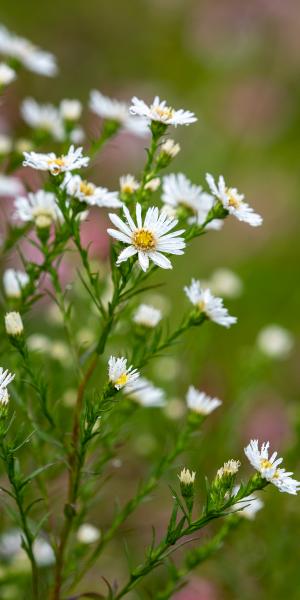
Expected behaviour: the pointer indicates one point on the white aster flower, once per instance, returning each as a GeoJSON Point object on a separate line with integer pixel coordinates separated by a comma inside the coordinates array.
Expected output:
{"type": "Point", "coordinates": [250, 505]}
{"type": "Point", "coordinates": [146, 394]}
{"type": "Point", "coordinates": [43, 116]}
{"type": "Point", "coordinates": [159, 111]}
{"type": "Point", "coordinates": [5, 143]}
{"type": "Point", "coordinates": [114, 110]}
{"type": "Point", "coordinates": [275, 341]}
{"type": "Point", "coordinates": [210, 305]}
{"type": "Point", "coordinates": [128, 184]}
{"type": "Point", "coordinates": [13, 282]}
{"type": "Point", "coordinates": [118, 373]}
{"type": "Point", "coordinates": [40, 207]}
{"type": "Point", "coordinates": [233, 202]}
{"type": "Point", "coordinates": [13, 324]}
{"type": "Point", "coordinates": [226, 282]}
{"type": "Point", "coordinates": [230, 467]}
{"type": "Point", "coordinates": [146, 315]}
{"type": "Point", "coordinates": [149, 239]}
{"type": "Point", "coordinates": [200, 403]}
{"type": "Point", "coordinates": [88, 534]}
{"type": "Point", "coordinates": [187, 477]}
{"type": "Point", "coordinates": [56, 164]}
{"type": "Point", "coordinates": [88, 192]}
{"type": "Point", "coordinates": [7, 74]}
{"type": "Point", "coordinates": [269, 468]}
{"type": "Point", "coordinates": [9, 186]}
{"type": "Point", "coordinates": [29, 55]}
{"type": "Point", "coordinates": [70, 110]}
{"type": "Point", "coordinates": [77, 135]}
{"type": "Point", "coordinates": [170, 148]}
{"type": "Point", "coordinates": [5, 379]}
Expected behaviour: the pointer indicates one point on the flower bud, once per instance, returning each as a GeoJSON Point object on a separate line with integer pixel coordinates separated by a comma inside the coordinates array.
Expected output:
{"type": "Point", "coordinates": [13, 324]}
{"type": "Point", "coordinates": [153, 184]}
{"type": "Point", "coordinates": [187, 480]}
{"type": "Point", "coordinates": [170, 148]}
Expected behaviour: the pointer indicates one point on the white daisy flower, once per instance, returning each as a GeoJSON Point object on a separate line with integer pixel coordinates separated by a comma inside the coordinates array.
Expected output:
{"type": "Point", "coordinates": [114, 110]}
{"type": "Point", "coordinates": [70, 110]}
{"type": "Point", "coordinates": [145, 393]}
{"type": "Point", "coordinates": [29, 55]}
{"type": "Point", "coordinates": [88, 192]}
{"type": "Point", "coordinates": [149, 239]}
{"type": "Point", "coordinates": [56, 164]}
{"type": "Point", "coordinates": [233, 202]}
{"type": "Point", "coordinates": [119, 374]}
{"type": "Point", "coordinates": [200, 403]}
{"type": "Point", "coordinates": [5, 379]}
{"type": "Point", "coordinates": [250, 505]}
{"type": "Point", "coordinates": [275, 341]}
{"type": "Point", "coordinates": [40, 207]}
{"type": "Point", "coordinates": [128, 184]}
{"type": "Point", "coordinates": [226, 282]}
{"type": "Point", "coordinates": [13, 282]}
{"type": "Point", "coordinates": [9, 186]}
{"type": "Point", "coordinates": [7, 74]}
{"type": "Point", "coordinates": [159, 111]}
{"type": "Point", "coordinates": [269, 468]}
{"type": "Point", "coordinates": [43, 116]}
{"type": "Point", "coordinates": [146, 315]}
{"type": "Point", "coordinates": [210, 305]}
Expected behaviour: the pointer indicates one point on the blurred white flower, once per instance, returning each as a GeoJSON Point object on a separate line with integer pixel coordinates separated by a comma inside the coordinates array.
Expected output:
{"type": "Point", "coordinates": [149, 239]}
{"type": "Point", "coordinates": [38, 342]}
{"type": "Point", "coordinates": [43, 552]}
{"type": "Point", "coordinates": [119, 374]}
{"type": "Point", "coordinates": [10, 546]}
{"type": "Point", "coordinates": [7, 74]}
{"type": "Point", "coordinates": [159, 111]}
{"type": "Point", "coordinates": [13, 324]}
{"type": "Point", "coordinates": [145, 393]}
{"type": "Point", "coordinates": [128, 184]}
{"type": "Point", "coordinates": [200, 403]}
{"type": "Point", "coordinates": [29, 55]}
{"type": "Point", "coordinates": [70, 110]}
{"type": "Point", "coordinates": [43, 116]}
{"type": "Point", "coordinates": [170, 148]}
{"type": "Point", "coordinates": [250, 505]}
{"type": "Point", "coordinates": [13, 282]}
{"type": "Point", "coordinates": [9, 186]}
{"type": "Point", "coordinates": [56, 164]}
{"type": "Point", "coordinates": [269, 468]}
{"type": "Point", "coordinates": [226, 282]}
{"type": "Point", "coordinates": [88, 534]}
{"type": "Point", "coordinates": [153, 184]}
{"type": "Point", "coordinates": [114, 110]}
{"type": "Point", "coordinates": [40, 207]}
{"type": "Point", "coordinates": [233, 202]}
{"type": "Point", "coordinates": [210, 305]}
{"type": "Point", "coordinates": [146, 315]}
{"type": "Point", "coordinates": [275, 341]}
{"type": "Point", "coordinates": [5, 143]}
{"type": "Point", "coordinates": [5, 379]}
{"type": "Point", "coordinates": [88, 192]}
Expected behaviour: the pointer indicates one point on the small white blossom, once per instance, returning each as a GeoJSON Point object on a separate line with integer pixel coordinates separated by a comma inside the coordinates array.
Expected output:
{"type": "Point", "coordinates": [56, 164]}
{"type": "Point", "coordinates": [210, 305]}
{"type": "Point", "coordinates": [230, 467]}
{"type": "Point", "coordinates": [146, 315]}
{"type": "Point", "coordinates": [114, 110]}
{"type": "Point", "coordinates": [14, 282]}
{"type": "Point", "coordinates": [9, 186]}
{"type": "Point", "coordinates": [269, 468]}
{"type": "Point", "coordinates": [87, 534]}
{"type": "Point", "coordinates": [43, 552]}
{"type": "Point", "coordinates": [250, 505]}
{"type": "Point", "coordinates": [118, 373]}
{"type": "Point", "coordinates": [275, 341]}
{"type": "Point", "coordinates": [43, 116]}
{"type": "Point", "coordinates": [153, 184]}
{"type": "Point", "coordinates": [149, 239]}
{"type": "Point", "coordinates": [159, 111]}
{"type": "Point", "coordinates": [77, 135]}
{"type": "Point", "coordinates": [29, 55]}
{"type": "Point", "coordinates": [40, 207]}
{"type": "Point", "coordinates": [5, 379]}
{"type": "Point", "coordinates": [146, 394]}
{"type": "Point", "coordinates": [88, 192]}
{"type": "Point", "coordinates": [5, 143]}
{"type": "Point", "coordinates": [200, 403]}
{"type": "Point", "coordinates": [187, 477]}
{"type": "Point", "coordinates": [128, 184]}
{"type": "Point", "coordinates": [70, 110]}
{"type": "Point", "coordinates": [170, 148]}
{"type": "Point", "coordinates": [7, 74]}
{"type": "Point", "coordinates": [13, 324]}
{"type": "Point", "coordinates": [233, 202]}
{"type": "Point", "coordinates": [226, 282]}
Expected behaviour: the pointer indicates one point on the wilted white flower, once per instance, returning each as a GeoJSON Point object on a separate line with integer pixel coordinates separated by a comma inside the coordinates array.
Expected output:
{"type": "Point", "coordinates": [149, 239]}
{"type": "Point", "coordinates": [187, 477]}
{"type": "Point", "coordinates": [7, 74]}
{"type": "Point", "coordinates": [43, 116]}
{"type": "Point", "coordinates": [13, 324]}
{"type": "Point", "coordinates": [275, 341]}
{"type": "Point", "coordinates": [170, 148]}
{"type": "Point", "coordinates": [146, 394]}
{"type": "Point", "coordinates": [269, 468]}
{"type": "Point", "coordinates": [9, 186]}
{"type": "Point", "coordinates": [29, 55]}
{"type": "Point", "coordinates": [226, 282]}
{"type": "Point", "coordinates": [40, 207]}
{"type": "Point", "coordinates": [153, 184]}
{"type": "Point", "coordinates": [128, 184]}
{"type": "Point", "coordinates": [88, 192]}
{"type": "Point", "coordinates": [5, 143]}
{"type": "Point", "coordinates": [113, 110]}
{"type": "Point", "coordinates": [250, 505]}
{"type": "Point", "coordinates": [230, 467]}
{"type": "Point", "coordinates": [88, 534]}
{"type": "Point", "coordinates": [200, 403]}
{"type": "Point", "coordinates": [233, 202]}
{"type": "Point", "coordinates": [56, 164]}
{"type": "Point", "coordinates": [159, 111]}
{"type": "Point", "coordinates": [118, 373]}
{"type": "Point", "coordinates": [210, 305]}
{"type": "Point", "coordinates": [146, 315]}
{"type": "Point", "coordinates": [70, 110]}
{"type": "Point", "coordinates": [5, 379]}
{"type": "Point", "coordinates": [13, 282]}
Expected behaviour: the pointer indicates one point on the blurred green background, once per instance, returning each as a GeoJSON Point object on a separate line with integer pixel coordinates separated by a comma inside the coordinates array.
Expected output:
{"type": "Point", "coordinates": [236, 65]}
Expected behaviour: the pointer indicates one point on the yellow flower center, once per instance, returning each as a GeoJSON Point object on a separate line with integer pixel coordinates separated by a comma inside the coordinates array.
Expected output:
{"type": "Point", "coordinates": [56, 164]}
{"type": "Point", "coordinates": [86, 188]}
{"type": "Point", "coordinates": [144, 240]}
{"type": "Point", "coordinates": [265, 464]}
{"type": "Point", "coordinates": [122, 380]}
{"type": "Point", "coordinates": [232, 200]}
{"type": "Point", "coordinates": [43, 217]}
{"type": "Point", "coordinates": [163, 113]}
{"type": "Point", "coordinates": [201, 306]}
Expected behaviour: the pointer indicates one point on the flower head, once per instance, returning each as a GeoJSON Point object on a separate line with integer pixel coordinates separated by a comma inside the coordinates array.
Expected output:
{"type": "Point", "coordinates": [14, 282]}
{"type": "Point", "coordinates": [250, 505]}
{"type": "Point", "coordinates": [88, 534]}
{"type": "Point", "coordinates": [200, 403]}
{"type": "Point", "coordinates": [56, 164]}
{"type": "Point", "coordinates": [149, 239]}
{"type": "Point", "coordinates": [26, 53]}
{"type": "Point", "coordinates": [13, 324]}
{"type": "Point", "coordinates": [159, 111]}
{"type": "Point", "coordinates": [118, 373]}
{"type": "Point", "coordinates": [70, 110]}
{"type": "Point", "coordinates": [187, 477]}
{"type": "Point", "coordinates": [114, 110]}
{"type": "Point", "coordinates": [5, 379]}
{"type": "Point", "coordinates": [208, 304]}
{"type": "Point", "coordinates": [233, 202]}
{"type": "Point", "coordinates": [128, 184]}
{"type": "Point", "coordinates": [275, 341]}
{"type": "Point", "coordinates": [146, 394]}
{"type": "Point", "coordinates": [40, 207]}
{"type": "Point", "coordinates": [43, 116]}
{"type": "Point", "coordinates": [146, 315]}
{"type": "Point", "coordinates": [226, 282]}
{"type": "Point", "coordinates": [88, 192]}
{"type": "Point", "coordinates": [229, 468]}
{"type": "Point", "coordinates": [7, 74]}
{"type": "Point", "coordinates": [9, 186]}
{"type": "Point", "coordinates": [268, 467]}
{"type": "Point", "coordinates": [170, 148]}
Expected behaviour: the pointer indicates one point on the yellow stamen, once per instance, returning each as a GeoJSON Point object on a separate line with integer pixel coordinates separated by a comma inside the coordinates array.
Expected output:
{"type": "Point", "coordinates": [86, 188]}
{"type": "Point", "coordinates": [265, 464]}
{"type": "Point", "coordinates": [143, 239]}
{"type": "Point", "coordinates": [164, 113]}
{"type": "Point", "coordinates": [122, 379]}
{"type": "Point", "coordinates": [56, 164]}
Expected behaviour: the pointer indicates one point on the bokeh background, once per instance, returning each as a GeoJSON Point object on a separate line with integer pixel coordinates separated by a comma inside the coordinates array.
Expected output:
{"type": "Point", "coordinates": [236, 65]}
